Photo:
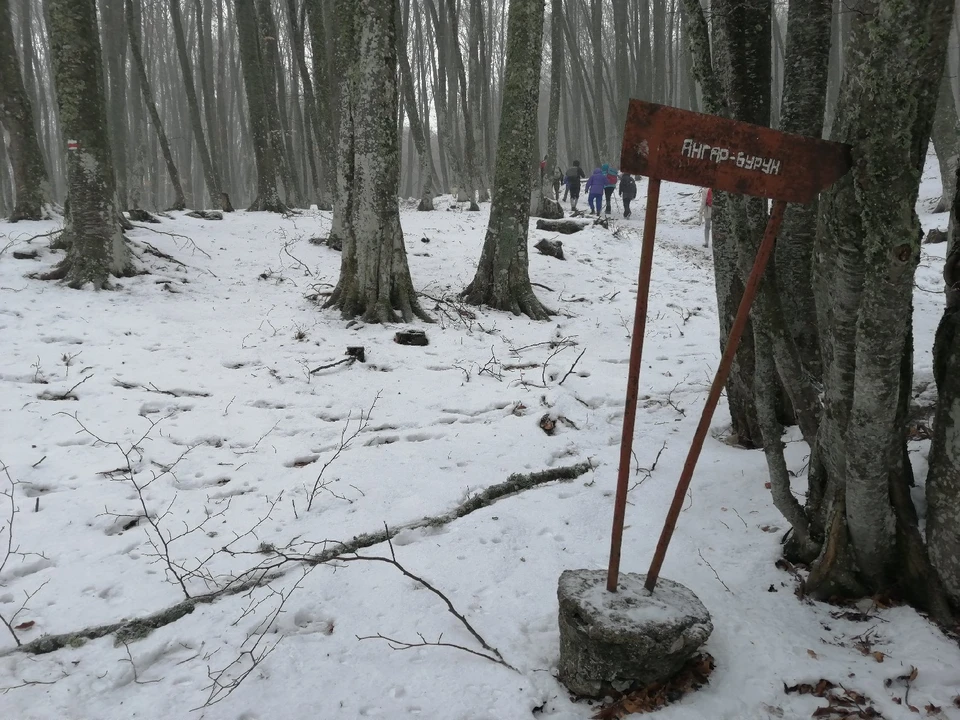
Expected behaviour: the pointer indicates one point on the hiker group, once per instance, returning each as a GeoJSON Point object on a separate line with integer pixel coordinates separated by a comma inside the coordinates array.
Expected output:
{"type": "Point", "coordinates": [600, 186]}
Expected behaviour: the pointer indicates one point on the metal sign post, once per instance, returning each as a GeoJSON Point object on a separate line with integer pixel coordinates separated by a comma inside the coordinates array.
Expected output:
{"type": "Point", "coordinates": [665, 143]}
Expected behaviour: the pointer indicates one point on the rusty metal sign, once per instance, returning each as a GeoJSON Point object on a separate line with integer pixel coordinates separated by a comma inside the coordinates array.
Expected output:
{"type": "Point", "coordinates": [694, 149]}
{"type": "Point", "coordinates": [666, 143]}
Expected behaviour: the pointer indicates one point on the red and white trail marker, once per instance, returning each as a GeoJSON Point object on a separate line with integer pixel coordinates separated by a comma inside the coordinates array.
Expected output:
{"type": "Point", "coordinates": [72, 145]}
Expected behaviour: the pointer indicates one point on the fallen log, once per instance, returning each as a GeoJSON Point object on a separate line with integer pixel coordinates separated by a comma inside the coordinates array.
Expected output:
{"type": "Point", "coordinates": [553, 248]}
{"type": "Point", "coordinates": [566, 226]}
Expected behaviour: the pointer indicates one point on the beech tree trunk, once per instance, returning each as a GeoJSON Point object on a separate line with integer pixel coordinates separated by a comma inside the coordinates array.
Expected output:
{"type": "Point", "coordinates": [802, 112]}
{"type": "Point", "coordinates": [946, 140]}
{"type": "Point", "coordinates": [96, 244]}
{"type": "Point", "coordinates": [210, 174]}
{"type": "Point", "coordinates": [868, 248]}
{"type": "Point", "coordinates": [115, 52]}
{"type": "Point", "coordinates": [502, 280]}
{"type": "Point", "coordinates": [326, 100]}
{"type": "Point", "coordinates": [417, 133]}
{"type": "Point", "coordinates": [943, 477]}
{"type": "Point", "coordinates": [275, 102]}
{"type": "Point", "coordinates": [741, 58]}
{"type": "Point", "coordinates": [556, 85]}
{"type": "Point", "coordinates": [146, 90]}
{"type": "Point", "coordinates": [31, 186]}
{"type": "Point", "coordinates": [375, 281]}
{"type": "Point", "coordinates": [255, 76]}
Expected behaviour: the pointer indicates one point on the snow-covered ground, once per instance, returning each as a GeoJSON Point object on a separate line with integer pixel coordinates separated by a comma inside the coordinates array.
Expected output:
{"type": "Point", "coordinates": [209, 363]}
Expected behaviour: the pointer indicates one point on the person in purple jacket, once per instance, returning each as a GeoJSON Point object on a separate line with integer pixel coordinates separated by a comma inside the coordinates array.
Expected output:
{"type": "Point", "coordinates": [595, 185]}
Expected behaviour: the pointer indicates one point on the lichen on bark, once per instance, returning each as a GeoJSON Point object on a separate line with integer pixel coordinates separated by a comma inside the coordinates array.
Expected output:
{"type": "Point", "coordinates": [866, 254]}
{"type": "Point", "coordinates": [375, 282]}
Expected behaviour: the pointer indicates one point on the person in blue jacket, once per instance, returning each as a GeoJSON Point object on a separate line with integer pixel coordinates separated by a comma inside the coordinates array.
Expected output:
{"type": "Point", "coordinates": [595, 185]}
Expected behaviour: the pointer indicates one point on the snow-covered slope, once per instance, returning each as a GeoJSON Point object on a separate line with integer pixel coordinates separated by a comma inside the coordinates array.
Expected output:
{"type": "Point", "coordinates": [209, 363]}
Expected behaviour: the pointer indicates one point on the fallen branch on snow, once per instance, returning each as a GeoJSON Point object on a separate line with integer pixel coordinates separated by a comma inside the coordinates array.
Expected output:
{"type": "Point", "coordinates": [494, 655]}
{"type": "Point", "coordinates": [128, 630]}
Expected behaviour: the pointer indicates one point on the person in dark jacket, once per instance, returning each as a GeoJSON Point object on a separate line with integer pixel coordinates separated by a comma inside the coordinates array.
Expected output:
{"type": "Point", "coordinates": [574, 175]}
{"type": "Point", "coordinates": [610, 176]}
{"type": "Point", "coordinates": [595, 185]}
{"type": "Point", "coordinates": [628, 191]}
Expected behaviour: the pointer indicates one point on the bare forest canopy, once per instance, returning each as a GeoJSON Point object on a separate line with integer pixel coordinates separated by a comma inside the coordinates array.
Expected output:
{"type": "Point", "coordinates": [611, 50]}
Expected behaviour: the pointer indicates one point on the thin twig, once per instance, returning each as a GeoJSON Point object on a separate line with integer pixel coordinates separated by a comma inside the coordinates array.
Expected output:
{"type": "Point", "coordinates": [350, 360]}
{"type": "Point", "coordinates": [173, 235]}
{"type": "Point", "coordinates": [403, 645]}
{"type": "Point", "coordinates": [136, 675]}
{"type": "Point", "coordinates": [392, 560]}
{"type": "Point", "coordinates": [69, 393]}
{"type": "Point", "coordinates": [714, 571]}
{"type": "Point", "coordinates": [8, 550]}
{"type": "Point", "coordinates": [344, 444]}
{"type": "Point", "coordinates": [570, 371]}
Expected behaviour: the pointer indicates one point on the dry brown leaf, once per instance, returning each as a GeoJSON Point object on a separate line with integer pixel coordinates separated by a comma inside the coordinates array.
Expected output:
{"type": "Point", "coordinates": [691, 677]}
{"type": "Point", "coordinates": [812, 654]}
{"type": "Point", "coordinates": [25, 625]}
{"type": "Point", "coordinates": [932, 709]}
{"type": "Point", "coordinates": [822, 687]}
{"type": "Point", "coordinates": [878, 656]}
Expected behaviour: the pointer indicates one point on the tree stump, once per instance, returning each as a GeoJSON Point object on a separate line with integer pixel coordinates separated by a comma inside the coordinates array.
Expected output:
{"type": "Point", "coordinates": [564, 227]}
{"type": "Point", "coordinates": [935, 236]}
{"type": "Point", "coordinates": [141, 215]}
{"type": "Point", "coordinates": [553, 248]}
{"type": "Point", "coordinates": [549, 208]}
{"type": "Point", "coordinates": [411, 337]}
{"type": "Point", "coordinates": [614, 642]}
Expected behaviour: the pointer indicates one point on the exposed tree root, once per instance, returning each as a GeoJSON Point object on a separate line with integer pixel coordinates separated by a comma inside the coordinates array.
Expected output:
{"type": "Point", "coordinates": [351, 302]}
{"type": "Point", "coordinates": [76, 273]}
{"type": "Point", "coordinates": [137, 628]}
{"type": "Point", "coordinates": [519, 303]}
{"type": "Point", "coordinates": [141, 215]}
{"type": "Point", "coordinates": [260, 205]}
{"type": "Point", "coordinates": [834, 573]}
